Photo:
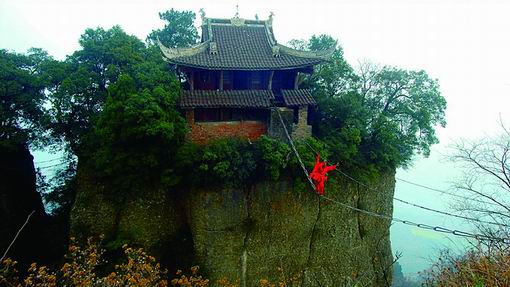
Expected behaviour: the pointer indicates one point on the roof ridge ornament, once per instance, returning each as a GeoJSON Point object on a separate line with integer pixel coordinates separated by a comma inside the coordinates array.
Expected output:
{"type": "Point", "coordinates": [213, 48]}
{"type": "Point", "coordinates": [202, 15]}
{"type": "Point", "coordinates": [236, 21]}
{"type": "Point", "coordinates": [209, 30]}
{"type": "Point", "coordinates": [270, 18]}
{"type": "Point", "coordinates": [276, 51]}
{"type": "Point", "coordinates": [268, 25]}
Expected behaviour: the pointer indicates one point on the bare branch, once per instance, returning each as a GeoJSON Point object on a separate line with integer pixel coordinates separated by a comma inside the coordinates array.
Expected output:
{"type": "Point", "coordinates": [484, 195]}
{"type": "Point", "coordinates": [16, 237]}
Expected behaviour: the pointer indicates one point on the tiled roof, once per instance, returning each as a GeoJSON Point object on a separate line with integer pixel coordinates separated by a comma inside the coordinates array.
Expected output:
{"type": "Point", "coordinates": [298, 98]}
{"type": "Point", "coordinates": [246, 46]}
{"type": "Point", "coordinates": [227, 98]}
{"type": "Point", "coordinates": [243, 98]}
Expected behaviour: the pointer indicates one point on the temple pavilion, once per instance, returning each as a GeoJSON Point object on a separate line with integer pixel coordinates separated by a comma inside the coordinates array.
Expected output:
{"type": "Point", "coordinates": [237, 76]}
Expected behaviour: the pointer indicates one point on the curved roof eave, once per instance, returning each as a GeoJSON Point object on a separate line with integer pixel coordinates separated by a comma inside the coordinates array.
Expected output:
{"type": "Point", "coordinates": [172, 53]}
{"type": "Point", "coordinates": [324, 55]}
{"type": "Point", "coordinates": [243, 69]}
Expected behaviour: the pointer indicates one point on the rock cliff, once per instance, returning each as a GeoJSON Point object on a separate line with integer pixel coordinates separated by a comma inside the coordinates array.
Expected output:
{"type": "Point", "coordinates": [266, 231]}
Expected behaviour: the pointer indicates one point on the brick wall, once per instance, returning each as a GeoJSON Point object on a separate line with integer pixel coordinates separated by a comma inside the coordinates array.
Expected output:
{"type": "Point", "coordinates": [203, 132]}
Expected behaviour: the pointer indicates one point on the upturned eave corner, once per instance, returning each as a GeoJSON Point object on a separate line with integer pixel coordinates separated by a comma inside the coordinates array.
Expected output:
{"type": "Point", "coordinates": [324, 55]}
{"type": "Point", "coordinates": [173, 53]}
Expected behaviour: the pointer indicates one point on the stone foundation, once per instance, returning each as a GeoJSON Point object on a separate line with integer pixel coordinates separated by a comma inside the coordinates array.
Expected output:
{"type": "Point", "coordinates": [302, 130]}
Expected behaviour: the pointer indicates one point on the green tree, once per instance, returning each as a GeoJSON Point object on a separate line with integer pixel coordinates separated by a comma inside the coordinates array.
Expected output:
{"type": "Point", "coordinates": [340, 118]}
{"type": "Point", "coordinates": [404, 107]}
{"type": "Point", "coordinates": [139, 131]}
{"type": "Point", "coordinates": [179, 30]}
{"type": "Point", "coordinates": [336, 76]}
{"type": "Point", "coordinates": [77, 90]}
{"type": "Point", "coordinates": [23, 82]}
{"type": "Point", "coordinates": [22, 86]}
{"type": "Point", "coordinates": [117, 93]}
{"type": "Point", "coordinates": [77, 98]}
{"type": "Point", "coordinates": [372, 117]}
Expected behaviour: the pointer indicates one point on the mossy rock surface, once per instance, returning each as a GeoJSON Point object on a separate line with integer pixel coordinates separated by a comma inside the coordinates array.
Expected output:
{"type": "Point", "coordinates": [92, 214]}
{"type": "Point", "coordinates": [271, 230]}
{"type": "Point", "coordinates": [276, 230]}
{"type": "Point", "coordinates": [148, 218]}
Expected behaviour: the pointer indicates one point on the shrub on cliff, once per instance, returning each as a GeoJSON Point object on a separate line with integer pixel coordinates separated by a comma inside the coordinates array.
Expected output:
{"type": "Point", "coordinates": [238, 162]}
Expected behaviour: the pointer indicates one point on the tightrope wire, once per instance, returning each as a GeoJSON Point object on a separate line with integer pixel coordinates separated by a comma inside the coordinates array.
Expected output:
{"type": "Point", "coordinates": [388, 217]}
{"type": "Point", "coordinates": [49, 160]}
{"type": "Point", "coordinates": [424, 207]}
{"type": "Point", "coordinates": [52, 165]}
{"type": "Point", "coordinates": [422, 225]}
{"type": "Point", "coordinates": [294, 149]}
{"type": "Point", "coordinates": [445, 192]}
{"type": "Point", "coordinates": [417, 205]}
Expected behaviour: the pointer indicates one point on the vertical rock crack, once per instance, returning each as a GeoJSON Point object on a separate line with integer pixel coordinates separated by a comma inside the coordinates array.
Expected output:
{"type": "Point", "coordinates": [244, 255]}
{"type": "Point", "coordinates": [358, 214]}
{"type": "Point", "coordinates": [312, 236]}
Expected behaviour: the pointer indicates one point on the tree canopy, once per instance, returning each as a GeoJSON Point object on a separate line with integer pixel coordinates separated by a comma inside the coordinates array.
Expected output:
{"type": "Point", "coordinates": [138, 131]}
{"type": "Point", "coordinates": [77, 97]}
{"type": "Point", "coordinates": [377, 117]}
{"type": "Point", "coordinates": [22, 86]}
{"type": "Point", "coordinates": [179, 30]}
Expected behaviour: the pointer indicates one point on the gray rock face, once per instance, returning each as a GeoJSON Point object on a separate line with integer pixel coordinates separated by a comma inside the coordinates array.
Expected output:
{"type": "Point", "coordinates": [278, 230]}
{"type": "Point", "coordinates": [272, 230]}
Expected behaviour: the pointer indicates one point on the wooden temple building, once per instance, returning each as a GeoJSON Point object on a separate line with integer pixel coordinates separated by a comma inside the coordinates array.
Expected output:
{"type": "Point", "coordinates": [237, 76]}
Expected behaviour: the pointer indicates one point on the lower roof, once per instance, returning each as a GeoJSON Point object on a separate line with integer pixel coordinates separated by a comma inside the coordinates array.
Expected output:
{"type": "Point", "coordinates": [293, 98]}
{"type": "Point", "coordinates": [242, 98]}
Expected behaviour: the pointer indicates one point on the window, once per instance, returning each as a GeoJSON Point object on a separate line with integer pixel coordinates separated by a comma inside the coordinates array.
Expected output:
{"type": "Point", "coordinates": [241, 80]}
{"type": "Point", "coordinates": [207, 80]}
{"type": "Point", "coordinates": [227, 80]}
{"type": "Point", "coordinates": [256, 80]}
{"type": "Point", "coordinates": [213, 115]}
{"type": "Point", "coordinates": [229, 115]}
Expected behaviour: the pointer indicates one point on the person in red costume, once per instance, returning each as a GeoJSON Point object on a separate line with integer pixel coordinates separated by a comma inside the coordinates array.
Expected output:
{"type": "Point", "coordinates": [319, 174]}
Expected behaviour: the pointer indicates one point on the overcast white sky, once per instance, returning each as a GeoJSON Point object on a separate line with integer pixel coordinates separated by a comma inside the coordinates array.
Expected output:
{"type": "Point", "coordinates": [464, 44]}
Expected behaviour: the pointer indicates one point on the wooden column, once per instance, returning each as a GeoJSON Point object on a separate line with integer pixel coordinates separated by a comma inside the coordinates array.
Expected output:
{"type": "Point", "coordinates": [296, 81]}
{"type": "Point", "coordinates": [190, 116]}
{"type": "Point", "coordinates": [221, 80]}
{"type": "Point", "coordinates": [192, 81]}
{"type": "Point", "coordinates": [270, 84]}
